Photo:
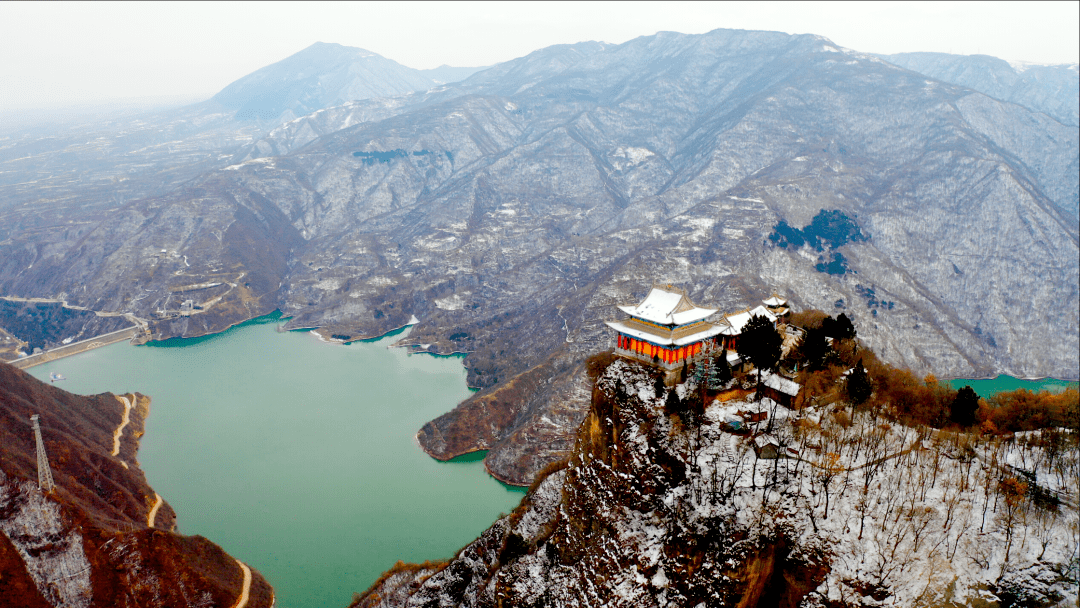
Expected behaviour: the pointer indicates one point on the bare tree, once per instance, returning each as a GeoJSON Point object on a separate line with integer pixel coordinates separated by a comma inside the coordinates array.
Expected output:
{"type": "Point", "coordinates": [1013, 491]}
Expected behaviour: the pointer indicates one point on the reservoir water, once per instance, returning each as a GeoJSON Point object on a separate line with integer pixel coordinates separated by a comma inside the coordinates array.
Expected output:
{"type": "Point", "coordinates": [986, 387]}
{"type": "Point", "coordinates": [299, 457]}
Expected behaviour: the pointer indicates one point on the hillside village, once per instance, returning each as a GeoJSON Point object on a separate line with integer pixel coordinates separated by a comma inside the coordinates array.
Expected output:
{"type": "Point", "coordinates": [691, 484]}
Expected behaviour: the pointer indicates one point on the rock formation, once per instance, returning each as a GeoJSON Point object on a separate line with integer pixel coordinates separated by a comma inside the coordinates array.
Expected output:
{"type": "Point", "coordinates": [659, 508]}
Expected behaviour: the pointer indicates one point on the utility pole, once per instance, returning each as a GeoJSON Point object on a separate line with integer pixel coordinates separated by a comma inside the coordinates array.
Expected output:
{"type": "Point", "coordinates": [45, 480]}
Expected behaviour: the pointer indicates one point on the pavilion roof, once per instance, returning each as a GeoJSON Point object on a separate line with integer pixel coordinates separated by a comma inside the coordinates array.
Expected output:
{"type": "Point", "coordinates": [774, 301]}
{"type": "Point", "coordinates": [668, 306]}
{"type": "Point", "coordinates": [739, 320]}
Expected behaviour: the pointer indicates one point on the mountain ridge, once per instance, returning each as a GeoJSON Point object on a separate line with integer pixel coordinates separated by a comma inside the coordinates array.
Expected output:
{"type": "Point", "coordinates": [497, 213]}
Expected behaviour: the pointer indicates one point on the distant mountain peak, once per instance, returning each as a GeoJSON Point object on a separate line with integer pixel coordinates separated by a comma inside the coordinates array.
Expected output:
{"type": "Point", "coordinates": [322, 75]}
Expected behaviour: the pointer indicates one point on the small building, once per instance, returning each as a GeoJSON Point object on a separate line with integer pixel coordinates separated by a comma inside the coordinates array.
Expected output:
{"type": "Point", "coordinates": [752, 416]}
{"type": "Point", "coordinates": [778, 307]}
{"type": "Point", "coordinates": [766, 446]}
{"type": "Point", "coordinates": [736, 321]}
{"type": "Point", "coordinates": [666, 329]}
{"type": "Point", "coordinates": [780, 389]}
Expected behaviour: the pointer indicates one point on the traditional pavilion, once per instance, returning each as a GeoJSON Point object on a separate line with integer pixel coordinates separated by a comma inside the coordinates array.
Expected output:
{"type": "Point", "coordinates": [666, 328]}
{"type": "Point", "coordinates": [736, 321]}
{"type": "Point", "coordinates": [778, 306]}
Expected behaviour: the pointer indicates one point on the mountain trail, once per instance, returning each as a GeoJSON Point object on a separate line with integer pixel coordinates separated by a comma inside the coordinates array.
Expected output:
{"type": "Point", "coordinates": [120, 429]}
{"type": "Point", "coordinates": [153, 510]}
{"type": "Point", "coordinates": [243, 600]}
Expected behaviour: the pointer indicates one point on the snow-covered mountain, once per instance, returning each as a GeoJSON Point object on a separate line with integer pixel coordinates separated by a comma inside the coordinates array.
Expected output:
{"type": "Point", "coordinates": [1051, 89]}
{"type": "Point", "coordinates": [325, 75]}
{"type": "Point", "coordinates": [512, 211]}
{"type": "Point", "coordinates": [57, 174]}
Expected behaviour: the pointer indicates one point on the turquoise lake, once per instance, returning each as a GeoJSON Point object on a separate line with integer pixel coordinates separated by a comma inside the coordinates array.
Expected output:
{"type": "Point", "coordinates": [989, 386]}
{"type": "Point", "coordinates": [297, 456]}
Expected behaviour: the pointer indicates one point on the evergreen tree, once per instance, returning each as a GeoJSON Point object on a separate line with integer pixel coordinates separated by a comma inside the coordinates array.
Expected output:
{"type": "Point", "coordinates": [722, 368]}
{"type": "Point", "coordinates": [672, 405]}
{"type": "Point", "coordinates": [858, 385]}
{"type": "Point", "coordinates": [694, 406]}
{"type": "Point", "coordinates": [705, 373]}
{"type": "Point", "coordinates": [964, 407]}
{"type": "Point", "coordinates": [840, 328]}
{"type": "Point", "coordinates": [845, 329]}
{"type": "Point", "coordinates": [813, 347]}
{"type": "Point", "coordinates": [658, 386]}
{"type": "Point", "coordinates": [761, 344]}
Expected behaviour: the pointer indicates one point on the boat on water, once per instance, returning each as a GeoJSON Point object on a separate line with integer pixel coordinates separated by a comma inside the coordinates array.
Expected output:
{"type": "Point", "coordinates": [53, 377]}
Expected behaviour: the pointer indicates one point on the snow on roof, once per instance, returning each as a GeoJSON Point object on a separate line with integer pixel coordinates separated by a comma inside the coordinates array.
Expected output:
{"type": "Point", "coordinates": [763, 440]}
{"type": "Point", "coordinates": [739, 320]}
{"type": "Point", "coordinates": [780, 383]}
{"type": "Point", "coordinates": [667, 308]}
{"type": "Point", "coordinates": [708, 330]}
{"type": "Point", "coordinates": [775, 300]}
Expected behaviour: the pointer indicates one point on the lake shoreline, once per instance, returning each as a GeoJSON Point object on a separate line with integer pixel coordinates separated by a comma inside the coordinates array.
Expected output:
{"type": "Point", "coordinates": [289, 422]}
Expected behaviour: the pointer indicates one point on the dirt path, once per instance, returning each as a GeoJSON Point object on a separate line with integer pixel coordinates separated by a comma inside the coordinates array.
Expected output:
{"type": "Point", "coordinates": [243, 600]}
{"type": "Point", "coordinates": [140, 322]}
{"type": "Point", "coordinates": [153, 510]}
{"type": "Point", "coordinates": [120, 430]}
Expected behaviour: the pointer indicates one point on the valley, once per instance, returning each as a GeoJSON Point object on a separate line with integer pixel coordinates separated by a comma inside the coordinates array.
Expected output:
{"type": "Point", "coordinates": [504, 213]}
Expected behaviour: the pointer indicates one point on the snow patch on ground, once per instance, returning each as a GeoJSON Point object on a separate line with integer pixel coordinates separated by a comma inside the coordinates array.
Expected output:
{"type": "Point", "coordinates": [453, 302]}
{"type": "Point", "coordinates": [53, 553]}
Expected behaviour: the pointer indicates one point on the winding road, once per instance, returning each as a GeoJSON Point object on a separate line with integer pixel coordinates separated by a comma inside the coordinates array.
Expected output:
{"type": "Point", "coordinates": [123, 423]}
{"type": "Point", "coordinates": [153, 510]}
{"type": "Point", "coordinates": [243, 600]}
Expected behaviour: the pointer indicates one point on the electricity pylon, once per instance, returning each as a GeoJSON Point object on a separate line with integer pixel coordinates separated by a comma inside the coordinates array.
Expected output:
{"type": "Point", "coordinates": [44, 474]}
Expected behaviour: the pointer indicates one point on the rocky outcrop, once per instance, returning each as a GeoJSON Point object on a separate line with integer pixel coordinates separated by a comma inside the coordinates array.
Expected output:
{"type": "Point", "coordinates": [656, 507]}
{"type": "Point", "coordinates": [102, 537]}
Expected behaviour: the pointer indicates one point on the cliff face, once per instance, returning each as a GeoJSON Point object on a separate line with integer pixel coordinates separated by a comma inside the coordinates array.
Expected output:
{"type": "Point", "coordinates": [103, 537]}
{"type": "Point", "coordinates": [654, 509]}
{"type": "Point", "coordinates": [510, 212]}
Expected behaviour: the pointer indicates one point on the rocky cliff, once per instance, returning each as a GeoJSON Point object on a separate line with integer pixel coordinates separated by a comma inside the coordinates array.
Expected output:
{"type": "Point", "coordinates": [103, 537]}
{"type": "Point", "coordinates": [655, 508]}
{"type": "Point", "coordinates": [511, 211]}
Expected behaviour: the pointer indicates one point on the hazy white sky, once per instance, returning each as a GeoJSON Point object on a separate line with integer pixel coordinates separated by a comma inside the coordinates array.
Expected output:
{"type": "Point", "coordinates": [56, 54]}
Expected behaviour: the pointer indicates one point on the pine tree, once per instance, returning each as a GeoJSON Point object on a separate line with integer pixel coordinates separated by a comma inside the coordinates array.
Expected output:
{"type": "Point", "coordinates": [706, 373]}
{"type": "Point", "coordinates": [845, 329]}
{"type": "Point", "coordinates": [761, 344]}
{"type": "Point", "coordinates": [813, 347]}
{"type": "Point", "coordinates": [858, 385]}
{"type": "Point", "coordinates": [672, 405]}
{"type": "Point", "coordinates": [723, 368]}
{"type": "Point", "coordinates": [964, 407]}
